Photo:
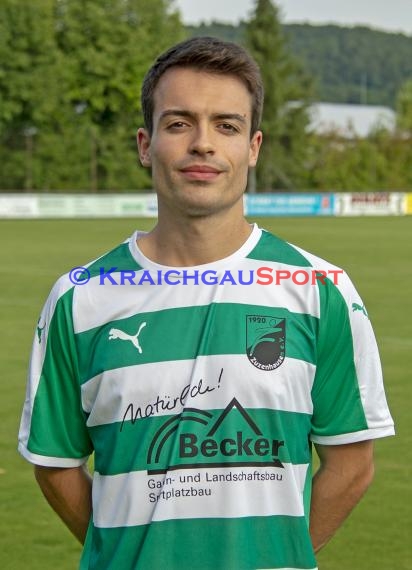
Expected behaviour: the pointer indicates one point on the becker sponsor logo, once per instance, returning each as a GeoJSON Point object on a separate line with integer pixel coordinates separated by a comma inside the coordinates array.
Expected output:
{"type": "Point", "coordinates": [195, 439]}
{"type": "Point", "coordinates": [265, 341]}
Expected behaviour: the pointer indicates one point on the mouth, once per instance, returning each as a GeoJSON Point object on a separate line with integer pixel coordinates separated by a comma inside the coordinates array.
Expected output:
{"type": "Point", "coordinates": [200, 172]}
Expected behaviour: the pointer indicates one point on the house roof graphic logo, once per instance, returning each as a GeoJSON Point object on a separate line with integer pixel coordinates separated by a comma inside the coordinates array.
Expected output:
{"type": "Point", "coordinates": [196, 439]}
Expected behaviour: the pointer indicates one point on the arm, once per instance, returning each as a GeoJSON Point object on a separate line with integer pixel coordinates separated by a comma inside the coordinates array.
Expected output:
{"type": "Point", "coordinates": [345, 473]}
{"type": "Point", "coordinates": [68, 491]}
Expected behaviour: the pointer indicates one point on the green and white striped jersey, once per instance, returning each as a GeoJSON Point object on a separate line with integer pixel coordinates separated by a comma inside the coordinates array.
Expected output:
{"type": "Point", "coordinates": [200, 402]}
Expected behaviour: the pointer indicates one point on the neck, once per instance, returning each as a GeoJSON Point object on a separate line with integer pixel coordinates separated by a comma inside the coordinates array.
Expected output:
{"type": "Point", "coordinates": [194, 241]}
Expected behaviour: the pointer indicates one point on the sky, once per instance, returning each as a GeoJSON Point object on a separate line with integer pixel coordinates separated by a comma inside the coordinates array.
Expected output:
{"type": "Point", "coordinates": [389, 15]}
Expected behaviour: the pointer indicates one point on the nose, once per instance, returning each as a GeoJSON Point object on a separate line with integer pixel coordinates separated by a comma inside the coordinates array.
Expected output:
{"type": "Point", "coordinates": [202, 140]}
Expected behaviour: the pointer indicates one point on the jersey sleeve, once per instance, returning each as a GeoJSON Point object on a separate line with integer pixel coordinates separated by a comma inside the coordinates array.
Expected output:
{"type": "Point", "coordinates": [53, 430]}
{"type": "Point", "coordinates": [349, 402]}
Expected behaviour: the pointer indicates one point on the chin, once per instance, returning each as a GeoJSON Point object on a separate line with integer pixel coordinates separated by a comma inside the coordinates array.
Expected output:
{"type": "Point", "coordinates": [199, 210]}
{"type": "Point", "coordinates": [206, 208]}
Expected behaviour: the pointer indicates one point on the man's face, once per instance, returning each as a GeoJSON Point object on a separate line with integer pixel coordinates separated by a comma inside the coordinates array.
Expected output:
{"type": "Point", "coordinates": [200, 149]}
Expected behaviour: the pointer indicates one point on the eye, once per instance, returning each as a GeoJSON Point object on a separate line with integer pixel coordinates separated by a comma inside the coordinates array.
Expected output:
{"type": "Point", "coordinates": [177, 126]}
{"type": "Point", "coordinates": [228, 128]}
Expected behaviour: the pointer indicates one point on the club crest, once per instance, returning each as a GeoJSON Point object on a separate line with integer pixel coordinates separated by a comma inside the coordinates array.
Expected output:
{"type": "Point", "coordinates": [265, 341]}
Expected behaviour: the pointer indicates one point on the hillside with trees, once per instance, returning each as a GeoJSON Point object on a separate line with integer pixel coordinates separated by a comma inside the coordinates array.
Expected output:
{"type": "Point", "coordinates": [348, 65]}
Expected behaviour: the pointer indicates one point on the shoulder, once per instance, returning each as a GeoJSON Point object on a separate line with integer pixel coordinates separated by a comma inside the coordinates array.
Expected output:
{"type": "Point", "coordinates": [332, 280]}
{"type": "Point", "coordinates": [80, 275]}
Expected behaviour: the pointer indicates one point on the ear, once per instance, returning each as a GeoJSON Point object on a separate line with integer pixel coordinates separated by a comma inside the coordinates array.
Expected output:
{"type": "Point", "coordinates": [143, 146]}
{"type": "Point", "coordinates": [255, 143]}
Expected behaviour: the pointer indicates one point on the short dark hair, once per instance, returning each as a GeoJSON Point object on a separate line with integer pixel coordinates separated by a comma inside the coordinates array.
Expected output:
{"type": "Point", "coordinates": [212, 56]}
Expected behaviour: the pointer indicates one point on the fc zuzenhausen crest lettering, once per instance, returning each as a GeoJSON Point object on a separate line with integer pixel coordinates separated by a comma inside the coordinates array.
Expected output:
{"type": "Point", "coordinates": [265, 341]}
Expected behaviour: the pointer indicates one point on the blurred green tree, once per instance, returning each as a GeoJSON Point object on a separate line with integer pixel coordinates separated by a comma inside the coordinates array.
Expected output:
{"type": "Point", "coordinates": [287, 93]}
{"type": "Point", "coordinates": [404, 107]}
{"type": "Point", "coordinates": [28, 85]}
{"type": "Point", "coordinates": [70, 81]}
{"type": "Point", "coordinates": [107, 47]}
{"type": "Point", "coordinates": [380, 162]}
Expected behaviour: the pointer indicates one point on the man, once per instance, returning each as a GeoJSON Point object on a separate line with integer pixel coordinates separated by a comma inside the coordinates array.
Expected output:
{"type": "Point", "coordinates": [194, 369]}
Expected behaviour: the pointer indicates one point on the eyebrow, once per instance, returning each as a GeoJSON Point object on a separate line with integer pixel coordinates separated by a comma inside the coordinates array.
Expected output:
{"type": "Point", "coordinates": [191, 115]}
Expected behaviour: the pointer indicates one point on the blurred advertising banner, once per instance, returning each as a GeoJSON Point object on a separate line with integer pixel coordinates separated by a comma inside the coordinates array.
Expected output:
{"type": "Point", "coordinates": [302, 204]}
{"type": "Point", "coordinates": [408, 204]}
{"type": "Point", "coordinates": [370, 204]}
{"type": "Point", "coordinates": [78, 206]}
{"type": "Point", "coordinates": [20, 206]}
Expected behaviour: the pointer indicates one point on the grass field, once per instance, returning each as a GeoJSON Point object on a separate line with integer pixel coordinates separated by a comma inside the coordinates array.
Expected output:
{"type": "Point", "coordinates": [377, 253]}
